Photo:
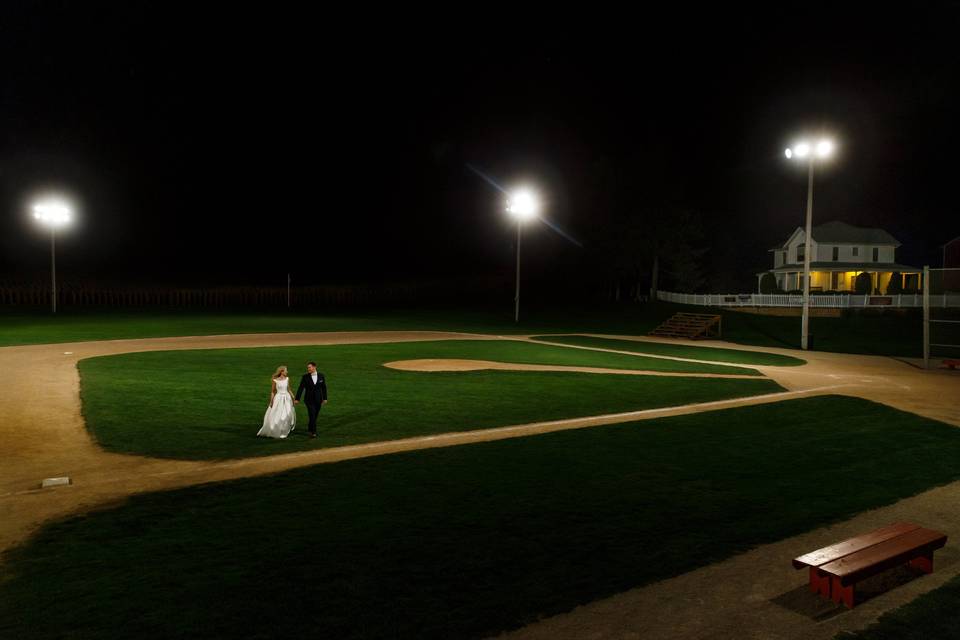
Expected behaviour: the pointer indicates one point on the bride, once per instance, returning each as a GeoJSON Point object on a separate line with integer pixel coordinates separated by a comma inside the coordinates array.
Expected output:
{"type": "Point", "coordinates": [280, 418]}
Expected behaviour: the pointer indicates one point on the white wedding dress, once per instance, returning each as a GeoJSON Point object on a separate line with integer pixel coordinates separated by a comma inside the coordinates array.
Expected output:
{"type": "Point", "coordinates": [280, 419]}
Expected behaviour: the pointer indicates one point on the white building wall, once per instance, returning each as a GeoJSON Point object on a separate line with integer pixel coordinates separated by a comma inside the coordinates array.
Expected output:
{"type": "Point", "coordinates": [824, 253]}
{"type": "Point", "coordinates": [798, 242]}
{"type": "Point", "coordinates": [846, 253]}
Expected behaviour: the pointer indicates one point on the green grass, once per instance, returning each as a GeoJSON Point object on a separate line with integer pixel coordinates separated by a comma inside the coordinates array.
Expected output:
{"type": "Point", "coordinates": [934, 615]}
{"type": "Point", "coordinates": [210, 403]}
{"type": "Point", "coordinates": [71, 326]}
{"type": "Point", "coordinates": [891, 333]}
{"type": "Point", "coordinates": [888, 334]}
{"type": "Point", "coordinates": [467, 541]}
{"type": "Point", "coordinates": [680, 351]}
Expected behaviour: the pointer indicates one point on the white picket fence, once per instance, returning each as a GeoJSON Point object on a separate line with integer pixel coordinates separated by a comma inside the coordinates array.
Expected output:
{"type": "Point", "coordinates": [840, 301]}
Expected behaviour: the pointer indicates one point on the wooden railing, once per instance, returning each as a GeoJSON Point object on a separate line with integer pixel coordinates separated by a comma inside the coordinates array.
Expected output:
{"type": "Point", "coordinates": [839, 301]}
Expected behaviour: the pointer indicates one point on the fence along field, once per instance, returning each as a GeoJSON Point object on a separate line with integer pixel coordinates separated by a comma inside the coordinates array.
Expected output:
{"type": "Point", "coordinates": [94, 295]}
{"type": "Point", "coordinates": [941, 322]}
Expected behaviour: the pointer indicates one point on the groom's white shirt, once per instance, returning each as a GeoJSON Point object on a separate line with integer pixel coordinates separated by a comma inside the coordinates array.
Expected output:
{"type": "Point", "coordinates": [314, 376]}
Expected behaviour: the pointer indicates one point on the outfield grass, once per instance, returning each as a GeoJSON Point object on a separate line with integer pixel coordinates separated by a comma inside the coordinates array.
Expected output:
{"type": "Point", "coordinates": [893, 334]}
{"type": "Point", "coordinates": [890, 334]}
{"type": "Point", "coordinates": [466, 541]}
{"type": "Point", "coordinates": [72, 326]}
{"type": "Point", "coordinates": [681, 351]}
{"type": "Point", "coordinates": [210, 403]}
{"type": "Point", "coordinates": [933, 616]}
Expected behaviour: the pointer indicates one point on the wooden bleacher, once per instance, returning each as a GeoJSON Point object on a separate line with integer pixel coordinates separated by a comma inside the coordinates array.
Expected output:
{"type": "Point", "coordinates": [692, 326]}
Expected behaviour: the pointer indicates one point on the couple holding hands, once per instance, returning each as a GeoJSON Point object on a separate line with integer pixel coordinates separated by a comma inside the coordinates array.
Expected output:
{"type": "Point", "coordinates": [281, 418]}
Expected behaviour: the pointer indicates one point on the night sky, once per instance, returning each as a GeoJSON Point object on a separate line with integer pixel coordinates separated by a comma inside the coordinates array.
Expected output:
{"type": "Point", "coordinates": [231, 146]}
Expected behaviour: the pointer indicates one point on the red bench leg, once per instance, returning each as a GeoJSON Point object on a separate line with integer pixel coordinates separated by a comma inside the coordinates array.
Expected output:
{"type": "Point", "coordinates": [841, 593]}
{"type": "Point", "coordinates": [819, 582]}
{"type": "Point", "coordinates": [924, 562]}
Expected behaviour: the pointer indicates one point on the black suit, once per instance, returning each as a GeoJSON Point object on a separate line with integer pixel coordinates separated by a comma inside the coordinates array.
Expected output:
{"type": "Point", "coordinates": [316, 394]}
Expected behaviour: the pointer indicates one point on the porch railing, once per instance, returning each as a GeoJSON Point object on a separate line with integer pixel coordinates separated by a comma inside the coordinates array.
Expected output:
{"type": "Point", "coordinates": [838, 301]}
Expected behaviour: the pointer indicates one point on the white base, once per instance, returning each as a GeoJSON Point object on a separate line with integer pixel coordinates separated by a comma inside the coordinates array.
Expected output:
{"type": "Point", "coordinates": [55, 482]}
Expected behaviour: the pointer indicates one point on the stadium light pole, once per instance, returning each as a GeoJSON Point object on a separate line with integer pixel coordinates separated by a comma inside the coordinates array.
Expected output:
{"type": "Point", "coordinates": [523, 205]}
{"type": "Point", "coordinates": [53, 214]}
{"type": "Point", "coordinates": [805, 150]}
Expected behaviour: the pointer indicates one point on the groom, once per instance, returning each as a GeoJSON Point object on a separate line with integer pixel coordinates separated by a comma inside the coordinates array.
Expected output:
{"type": "Point", "coordinates": [316, 387]}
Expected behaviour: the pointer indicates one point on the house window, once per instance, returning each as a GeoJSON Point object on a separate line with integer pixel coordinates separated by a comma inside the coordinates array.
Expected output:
{"type": "Point", "coordinates": [835, 277]}
{"type": "Point", "coordinates": [876, 254]}
{"type": "Point", "coordinates": [856, 251]}
{"type": "Point", "coordinates": [800, 252]}
{"type": "Point", "coordinates": [836, 253]}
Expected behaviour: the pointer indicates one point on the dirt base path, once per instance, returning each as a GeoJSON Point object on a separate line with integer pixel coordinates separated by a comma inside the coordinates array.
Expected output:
{"type": "Point", "coordinates": [43, 435]}
{"type": "Point", "coordinates": [933, 393]}
{"type": "Point", "coordinates": [758, 594]}
{"type": "Point", "coordinates": [452, 364]}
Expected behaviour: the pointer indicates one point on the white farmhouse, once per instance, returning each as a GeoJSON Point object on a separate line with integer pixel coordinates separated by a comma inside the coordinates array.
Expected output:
{"type": "Point", "coordinates": [839, 253]}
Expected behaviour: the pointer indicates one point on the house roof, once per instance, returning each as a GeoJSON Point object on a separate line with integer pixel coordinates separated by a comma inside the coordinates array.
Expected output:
{"type": "Point", "coordinates": [848, 266]}
{"type": "Point", "coordinates": [837, 232]}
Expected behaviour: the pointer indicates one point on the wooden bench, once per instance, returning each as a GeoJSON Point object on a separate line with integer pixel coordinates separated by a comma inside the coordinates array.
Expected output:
{"type": "Point", "coordinates": [952, 363]}
{"type": "Point", "coordinates": [835, 570]}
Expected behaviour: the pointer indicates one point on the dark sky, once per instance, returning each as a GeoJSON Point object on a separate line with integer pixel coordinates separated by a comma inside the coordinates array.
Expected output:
{"type": "Point", "coordinates": [232, 145]}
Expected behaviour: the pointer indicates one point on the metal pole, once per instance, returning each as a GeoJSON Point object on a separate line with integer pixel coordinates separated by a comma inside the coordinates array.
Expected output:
{"type": "Point", "coordinates": [516, 312]}
{"type": "Point", "coordinates": [805, 327]}
{"type": "Point", "coordinates": [926, 317]}
{"type": "Point", "coordinates": [53, 267]}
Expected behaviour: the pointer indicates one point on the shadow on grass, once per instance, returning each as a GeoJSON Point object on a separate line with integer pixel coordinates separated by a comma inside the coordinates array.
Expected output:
{"type": "Point", "coordinates": [807, 604]}
{"type": "Point", "coordinates": [810, 605]}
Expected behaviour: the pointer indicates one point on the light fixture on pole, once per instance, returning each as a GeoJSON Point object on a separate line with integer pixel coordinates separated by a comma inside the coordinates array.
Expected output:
{"type": "Point", "coordinates": [53, 214]}
{"type": "Point", "coordinates": [524, 205]}
{"type": "Point", "coordinates": [810, 152]}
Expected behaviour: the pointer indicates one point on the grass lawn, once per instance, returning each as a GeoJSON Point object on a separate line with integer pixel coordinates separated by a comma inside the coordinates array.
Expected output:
{"type": "Point", "coordinates": [72, 325]}
{"type": "Point", "coordinates": [466, 541]}
{"type": "Point", "coordinates": [210, 403]}
{"type": "Point", "coordinates": [934, 615]}
{"type": "Point", "coordinates": [890, 334]}
{"type": "Point", "coordinates": [680, 351]}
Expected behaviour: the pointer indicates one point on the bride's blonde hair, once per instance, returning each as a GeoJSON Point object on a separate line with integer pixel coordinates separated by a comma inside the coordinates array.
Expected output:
{"type": "Point", "coordinates": [283, 367]}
